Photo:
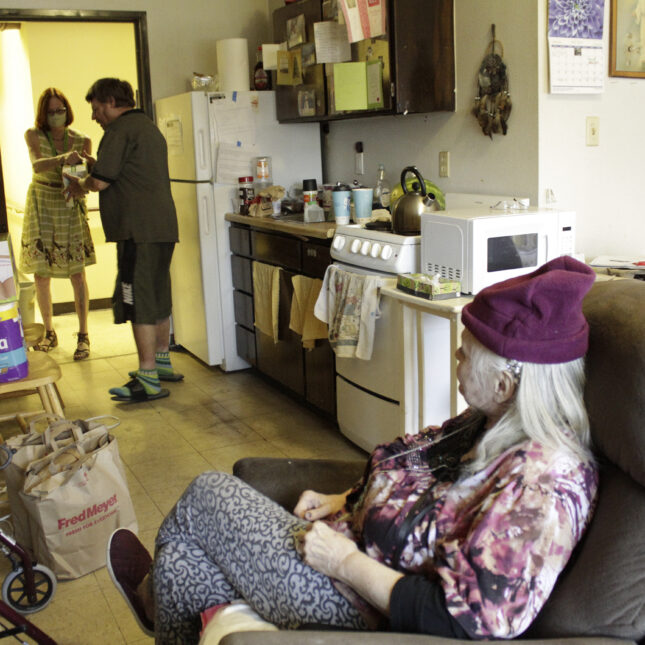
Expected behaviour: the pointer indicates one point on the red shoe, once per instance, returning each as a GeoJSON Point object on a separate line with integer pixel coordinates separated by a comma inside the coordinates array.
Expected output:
{"type": "Point", "coordinates": [128, 562]}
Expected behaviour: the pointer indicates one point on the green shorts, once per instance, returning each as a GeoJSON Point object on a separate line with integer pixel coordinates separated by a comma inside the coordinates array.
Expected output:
{"type": "Point", "coordinates": [142, 291]}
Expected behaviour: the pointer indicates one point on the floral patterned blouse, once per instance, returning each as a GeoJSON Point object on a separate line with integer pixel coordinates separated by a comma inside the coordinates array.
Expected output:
{"type": "Point", "coordinates": [495, 540]}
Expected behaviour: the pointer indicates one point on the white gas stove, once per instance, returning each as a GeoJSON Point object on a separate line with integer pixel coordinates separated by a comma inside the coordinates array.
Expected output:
{"type": "Point", "coordinates": [380, 251]}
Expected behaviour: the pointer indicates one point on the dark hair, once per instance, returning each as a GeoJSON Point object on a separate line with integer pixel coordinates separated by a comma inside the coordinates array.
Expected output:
{"type": "Point", "coordinates": [43, 106]}
{"type": "Point", "coordinates": [106, 88]}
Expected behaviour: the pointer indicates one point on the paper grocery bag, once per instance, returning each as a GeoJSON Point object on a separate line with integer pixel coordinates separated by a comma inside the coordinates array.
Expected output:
{"type": "Point", "coordinates": [37, 443]}
{"type": "Point", "coordinates": [74, 501]}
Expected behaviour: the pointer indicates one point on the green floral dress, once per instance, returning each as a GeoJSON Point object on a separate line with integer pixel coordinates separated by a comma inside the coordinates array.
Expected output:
{"type": "Point", "coordinates": [56, 240]}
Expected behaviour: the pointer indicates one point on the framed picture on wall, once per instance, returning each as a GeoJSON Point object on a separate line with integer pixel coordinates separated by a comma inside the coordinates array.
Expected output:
{"type": "Point", "coordinates": [627, 46]}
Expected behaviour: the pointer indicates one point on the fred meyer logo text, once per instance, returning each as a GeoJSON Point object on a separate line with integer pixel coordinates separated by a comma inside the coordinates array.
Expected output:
{"type": "Point", "coordinates": [90, 511]}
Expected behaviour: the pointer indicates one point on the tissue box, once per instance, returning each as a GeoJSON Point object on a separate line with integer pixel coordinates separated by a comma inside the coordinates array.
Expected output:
{"type": "Point", "coordinates": [427, 286]}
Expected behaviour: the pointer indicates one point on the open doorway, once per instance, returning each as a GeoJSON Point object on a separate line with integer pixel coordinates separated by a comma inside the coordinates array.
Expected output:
{"type": "Point", "coordinates": [67, 50]}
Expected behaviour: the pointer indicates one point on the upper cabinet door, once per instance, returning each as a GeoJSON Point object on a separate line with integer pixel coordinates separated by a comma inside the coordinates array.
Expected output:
{"type": "Point", "coordinates": [417, 56]}
{"type": "Point", "coordinates": [423, 50]}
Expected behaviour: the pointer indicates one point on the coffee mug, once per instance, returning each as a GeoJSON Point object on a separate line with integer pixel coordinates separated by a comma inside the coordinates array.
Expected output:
{"type": "Point", "coordinates": [340, 201]}
{"type": "Point", "coordinates": [362, 203]}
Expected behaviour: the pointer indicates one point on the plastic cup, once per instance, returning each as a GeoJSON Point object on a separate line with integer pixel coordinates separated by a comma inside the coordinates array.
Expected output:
{"type": "Point", "coordinates": [340, 201]}
{"type": "Point", "coordinates": [362, 203]}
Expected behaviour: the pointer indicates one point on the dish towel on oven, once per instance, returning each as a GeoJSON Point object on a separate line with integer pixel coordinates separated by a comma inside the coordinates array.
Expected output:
{"type": "Point", "coordinates": [266, 298]}
{"type": "Point", "coordinates": [349, 304]}
{"type": "Point", "coordinates": [303, 321]}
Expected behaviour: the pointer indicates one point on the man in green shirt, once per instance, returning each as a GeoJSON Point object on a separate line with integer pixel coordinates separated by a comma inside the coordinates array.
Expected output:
{"type": "Point", "coordinates": [138, 213]}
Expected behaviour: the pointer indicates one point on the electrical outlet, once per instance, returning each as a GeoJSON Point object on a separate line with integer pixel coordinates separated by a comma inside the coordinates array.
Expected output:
{"type": "Point", "coordinates": [593, 130]}
{"type": "Point", "coordinates": [444, 164]}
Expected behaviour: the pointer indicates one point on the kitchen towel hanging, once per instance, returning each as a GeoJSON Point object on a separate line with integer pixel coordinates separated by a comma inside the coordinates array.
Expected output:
{"type": "Point", "coordinates": [266, 298]}
{"type": "Point", "coordinates": [303, 321]}
{"type": "Point", "coordinates": [233, 64]}
{"type": "Point", "coordinates": [349, 304]}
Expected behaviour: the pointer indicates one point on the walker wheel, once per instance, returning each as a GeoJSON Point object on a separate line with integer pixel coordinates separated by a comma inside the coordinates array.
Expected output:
{"type": "Point", "coordinates": [14, 592]}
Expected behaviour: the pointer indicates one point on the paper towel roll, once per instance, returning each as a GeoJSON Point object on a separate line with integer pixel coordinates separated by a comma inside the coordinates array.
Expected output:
{"type": "Point", "coordinates": [233, 64]}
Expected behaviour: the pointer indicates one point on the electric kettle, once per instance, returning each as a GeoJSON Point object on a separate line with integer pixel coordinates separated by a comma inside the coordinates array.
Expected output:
{"type": "Point", "coordinates": [406, 211]}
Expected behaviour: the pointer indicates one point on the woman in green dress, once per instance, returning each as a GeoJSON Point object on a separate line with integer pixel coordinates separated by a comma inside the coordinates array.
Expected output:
{"type": "Point", "coordinates": [56, 240]}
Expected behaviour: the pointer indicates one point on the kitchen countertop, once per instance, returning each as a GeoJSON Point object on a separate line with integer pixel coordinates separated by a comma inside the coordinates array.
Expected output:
{"type": "Point", "coordinates": [320, 230]}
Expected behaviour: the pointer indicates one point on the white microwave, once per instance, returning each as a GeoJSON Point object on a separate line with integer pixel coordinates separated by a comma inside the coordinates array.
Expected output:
{"type": "Point", "coordinates": [480, 247]}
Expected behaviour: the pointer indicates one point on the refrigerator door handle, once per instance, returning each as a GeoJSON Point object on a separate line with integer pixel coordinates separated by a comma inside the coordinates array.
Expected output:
{"type": "Point", "coordinates": [205, 212]}
{"type": "Point", "coordinates": [204, 163]}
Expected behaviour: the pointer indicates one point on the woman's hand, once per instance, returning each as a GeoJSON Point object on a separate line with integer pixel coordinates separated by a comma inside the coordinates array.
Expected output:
{"type": "Point", "coordinates": [326, 550]}
{"type": "Point", "coordinates": [73, 158]}
{"type": "Point", "coordinates": [313, 506]}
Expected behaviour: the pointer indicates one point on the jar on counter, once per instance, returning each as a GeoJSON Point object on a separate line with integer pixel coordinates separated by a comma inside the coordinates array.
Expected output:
{"type": "Point", "coordinates": [245, 194]}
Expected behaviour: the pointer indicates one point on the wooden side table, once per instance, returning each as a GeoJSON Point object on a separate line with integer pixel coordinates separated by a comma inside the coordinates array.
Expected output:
{"type": "Point", "coordinates": [41, 379]}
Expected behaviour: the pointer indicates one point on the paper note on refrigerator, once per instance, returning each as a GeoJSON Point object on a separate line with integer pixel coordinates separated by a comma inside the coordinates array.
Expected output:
{"type": "Point", "coordinates": [233, 162]}
{"type": "Point", "coordinates": [233, 119]}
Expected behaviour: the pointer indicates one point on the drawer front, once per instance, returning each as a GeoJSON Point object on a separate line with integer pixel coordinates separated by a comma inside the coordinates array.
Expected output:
{"type": "Point", "coordinates": [245, 340]}
{"type": "Point", "coordinates": [315, 259]}
{"type": "Point", "coordinates": [242, 271]}
{"type": "Point", "coordinates": [243, 306]}
{"type": "Point", "coordinates": [277, 249]}
{"type": "Point", "coordinates": [240, 240]}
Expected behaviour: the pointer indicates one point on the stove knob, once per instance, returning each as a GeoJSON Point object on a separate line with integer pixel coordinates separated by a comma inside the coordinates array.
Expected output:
{"type": "Point", "coordinates": [365, 247]}
{"type": "Point", "coordinates": [355, 246]}
{"type": "Point", "coordinates": [375, 250]}
{"type": "Point", "coordinates": [338, 243]}
{"type": "Point", "coordinates": [387, 251]}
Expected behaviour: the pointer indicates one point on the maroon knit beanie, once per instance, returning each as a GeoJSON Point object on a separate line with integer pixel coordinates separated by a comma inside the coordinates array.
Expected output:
{"type": "Point", "coordinates": [536, 317]}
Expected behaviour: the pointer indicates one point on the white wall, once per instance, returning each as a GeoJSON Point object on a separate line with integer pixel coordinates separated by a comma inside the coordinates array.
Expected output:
{"type": "Point", "coordinates": [507, 164]}
{"type": "Point", "coordinates": [604, 184]}
{"type": "Point", "coordinates": [181, 33]}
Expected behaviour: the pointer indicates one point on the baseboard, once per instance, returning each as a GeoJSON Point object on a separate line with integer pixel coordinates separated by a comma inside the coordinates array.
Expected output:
{"type": "Point", "coordinates": [68, 307]}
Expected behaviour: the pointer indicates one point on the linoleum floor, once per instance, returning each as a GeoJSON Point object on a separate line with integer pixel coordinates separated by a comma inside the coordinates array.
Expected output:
{"type": "Point", "coordinates": [210, 420]}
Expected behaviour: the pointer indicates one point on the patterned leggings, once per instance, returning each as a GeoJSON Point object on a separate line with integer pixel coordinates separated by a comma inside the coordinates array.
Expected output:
{"type": "Point", "coordinates": [224, 540]}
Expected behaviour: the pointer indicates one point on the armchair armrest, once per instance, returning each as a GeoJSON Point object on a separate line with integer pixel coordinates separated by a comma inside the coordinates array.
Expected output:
{"type": "Point", "coordinates": [283, 480]}
{"type": "Point", "coordinates": [300, 637]}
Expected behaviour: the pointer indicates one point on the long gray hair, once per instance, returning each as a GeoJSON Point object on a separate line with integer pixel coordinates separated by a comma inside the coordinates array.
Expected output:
{"type": "Point", "coordinates": [547, 407]}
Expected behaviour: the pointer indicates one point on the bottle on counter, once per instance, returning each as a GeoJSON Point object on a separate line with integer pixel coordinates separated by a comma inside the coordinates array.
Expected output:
{"type": "Point", "coordinates": [313, 212]}
{"type": "Point", "coordinates": [382, 189]}
{"type": "Point", "coordinates": [261, 77]}
{"type": "Point", "coordinates": [245, 194]}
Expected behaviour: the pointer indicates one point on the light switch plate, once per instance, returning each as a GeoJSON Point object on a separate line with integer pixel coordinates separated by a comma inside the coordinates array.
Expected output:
{"type": "Point", "coordinates": [444, 164]}
{"type": "Point", "coordinates": [593, 131]}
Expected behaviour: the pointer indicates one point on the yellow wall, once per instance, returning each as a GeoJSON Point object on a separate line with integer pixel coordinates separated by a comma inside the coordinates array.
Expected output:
{"type": "Point", "coordinates": [71, 56]}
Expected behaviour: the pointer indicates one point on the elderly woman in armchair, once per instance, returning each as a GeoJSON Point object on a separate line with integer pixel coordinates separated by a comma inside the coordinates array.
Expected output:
{"type": "Point", "coordinates": [458, 531]}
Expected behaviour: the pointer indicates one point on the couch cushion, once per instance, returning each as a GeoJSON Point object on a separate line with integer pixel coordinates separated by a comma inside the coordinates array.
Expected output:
{"type": "Point", "coordinates": [615, 392]}
{"type": "Point", "coordinates": [602, 591]}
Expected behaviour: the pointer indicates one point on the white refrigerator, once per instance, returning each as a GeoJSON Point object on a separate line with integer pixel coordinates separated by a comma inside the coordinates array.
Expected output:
{"type": "Point", "coordinates": [213, 138]}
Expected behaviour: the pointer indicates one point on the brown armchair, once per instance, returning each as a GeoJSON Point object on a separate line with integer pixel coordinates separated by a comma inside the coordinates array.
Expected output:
{"type": "Point", "coordinates": [600, 597]}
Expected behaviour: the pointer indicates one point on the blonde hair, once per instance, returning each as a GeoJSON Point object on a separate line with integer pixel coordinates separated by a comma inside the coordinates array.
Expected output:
{"type": "Point", "coordinates": [547, 407]}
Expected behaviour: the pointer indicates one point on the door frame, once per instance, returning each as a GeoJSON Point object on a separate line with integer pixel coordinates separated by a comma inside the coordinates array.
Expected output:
{"type": "Point", "coordinates": [137, 18]}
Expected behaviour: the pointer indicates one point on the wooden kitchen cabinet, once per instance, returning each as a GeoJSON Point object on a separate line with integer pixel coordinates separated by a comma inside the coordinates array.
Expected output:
{"type": "Point", "coordinates": [417, 55]}
{"type": "Point", "coordinates": [310, 374]}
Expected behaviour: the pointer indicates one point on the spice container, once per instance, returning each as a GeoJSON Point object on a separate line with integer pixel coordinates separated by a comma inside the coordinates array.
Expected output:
{"type": "Point", "coordinates": [245, 194]}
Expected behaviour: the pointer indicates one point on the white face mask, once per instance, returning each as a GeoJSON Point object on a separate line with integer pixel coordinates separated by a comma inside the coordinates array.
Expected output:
{"type": "Point", "coordinates": [56, 120]}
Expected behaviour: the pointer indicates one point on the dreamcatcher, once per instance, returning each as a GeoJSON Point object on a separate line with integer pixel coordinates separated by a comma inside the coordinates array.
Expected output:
{"type": "Point", "coordinates": [493, 101]}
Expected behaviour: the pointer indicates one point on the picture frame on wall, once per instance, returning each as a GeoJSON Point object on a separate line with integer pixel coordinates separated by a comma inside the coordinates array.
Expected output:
{"type": "Point", "coordinates": [627, 41]}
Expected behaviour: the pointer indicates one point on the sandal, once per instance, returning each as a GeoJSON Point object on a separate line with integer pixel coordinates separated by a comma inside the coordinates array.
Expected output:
{"type": "Point", "coordinates": [82, 347]}
{"type": "Point", "coordinates": [134, 392]}
{"type": "Point", "coordinates": [48, 342]}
